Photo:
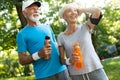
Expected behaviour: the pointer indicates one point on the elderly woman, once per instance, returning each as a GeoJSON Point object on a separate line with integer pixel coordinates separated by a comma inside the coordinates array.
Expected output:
{"type": "Point", "coordinates": [92, 68]}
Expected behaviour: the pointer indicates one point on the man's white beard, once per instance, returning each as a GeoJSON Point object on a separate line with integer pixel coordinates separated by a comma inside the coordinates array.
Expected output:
{"type": "Point", "coordinates": [35, 17]}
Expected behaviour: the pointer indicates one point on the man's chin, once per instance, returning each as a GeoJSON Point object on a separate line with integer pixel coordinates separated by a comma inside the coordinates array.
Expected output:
{"type": "Point", "coordinates": [35, 20]}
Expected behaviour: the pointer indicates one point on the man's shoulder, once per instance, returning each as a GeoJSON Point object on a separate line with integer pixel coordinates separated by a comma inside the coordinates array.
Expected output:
{"type": "Point", "coordinates": [21, 31]}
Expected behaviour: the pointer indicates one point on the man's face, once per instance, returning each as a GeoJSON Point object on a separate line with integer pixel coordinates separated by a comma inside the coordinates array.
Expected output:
{"type": "Point", "coordinates": [32, 13]}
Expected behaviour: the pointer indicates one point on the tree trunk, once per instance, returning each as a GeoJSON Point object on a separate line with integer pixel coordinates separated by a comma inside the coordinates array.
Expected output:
{"type": "Point", "coordinates": [23, 23]}
{"type": "Point", "coordinates": [20, 15]}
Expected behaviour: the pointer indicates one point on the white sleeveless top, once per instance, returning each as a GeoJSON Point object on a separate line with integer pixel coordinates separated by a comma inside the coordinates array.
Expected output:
{"type": "Point", "coordinates": [82, 35]}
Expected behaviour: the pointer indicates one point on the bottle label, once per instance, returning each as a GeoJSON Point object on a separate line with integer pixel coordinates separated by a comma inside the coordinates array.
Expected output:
{"type": "Point", "coordinates": [76, 46]}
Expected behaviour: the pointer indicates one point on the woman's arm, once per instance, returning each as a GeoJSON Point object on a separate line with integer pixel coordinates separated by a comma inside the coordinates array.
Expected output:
{"type": "Point", "coordinates": [63, 59]}
{"type": "Point", "coordinates": [62, 55]}
{"type": "Point", "coordinates": [95, 17]}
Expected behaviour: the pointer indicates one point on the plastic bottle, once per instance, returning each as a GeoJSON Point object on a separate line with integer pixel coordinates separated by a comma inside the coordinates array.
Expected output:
{"type": "Point", "coordinates": [77, 52]}
{"type": "Point", "coordinates": [47, 41]}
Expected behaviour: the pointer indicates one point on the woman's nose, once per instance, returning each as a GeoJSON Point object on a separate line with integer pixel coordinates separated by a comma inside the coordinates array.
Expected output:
{"type": "Point", "coordinates": [73, 12]}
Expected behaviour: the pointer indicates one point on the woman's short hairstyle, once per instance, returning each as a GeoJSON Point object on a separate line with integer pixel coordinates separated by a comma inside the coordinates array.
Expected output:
{"type": "Point", "coordinates": [66, 6]}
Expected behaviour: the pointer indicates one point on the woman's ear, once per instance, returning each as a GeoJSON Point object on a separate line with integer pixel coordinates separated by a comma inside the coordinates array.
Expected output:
{"type": "Point", "coordinates": [63, 16]}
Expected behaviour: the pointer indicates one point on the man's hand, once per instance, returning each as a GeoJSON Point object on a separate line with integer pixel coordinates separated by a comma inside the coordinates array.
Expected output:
{"type": "Point", "coordinates": [46, 50]}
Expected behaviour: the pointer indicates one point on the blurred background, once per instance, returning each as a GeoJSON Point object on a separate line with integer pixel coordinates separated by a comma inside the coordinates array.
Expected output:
{"type": "Point", "coordinates": [106, 36]}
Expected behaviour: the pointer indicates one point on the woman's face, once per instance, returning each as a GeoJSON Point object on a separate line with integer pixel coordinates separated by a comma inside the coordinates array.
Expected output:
{"type": "Point", "coordinates": [70, 15]}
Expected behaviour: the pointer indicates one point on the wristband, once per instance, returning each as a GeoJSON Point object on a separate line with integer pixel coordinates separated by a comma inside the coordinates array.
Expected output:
{"type": "Point", "coordinates": [35, 56]}
{"type": "Point", "coordinates": [67, 61]}
{"type": "Point", "coordinates": [96, 20]}
{"type": "Point", "coordinates": [91, 31]}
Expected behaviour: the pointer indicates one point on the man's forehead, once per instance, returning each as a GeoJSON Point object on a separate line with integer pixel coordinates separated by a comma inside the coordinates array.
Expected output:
{"type": "Point", "coordinates": [32, 5]}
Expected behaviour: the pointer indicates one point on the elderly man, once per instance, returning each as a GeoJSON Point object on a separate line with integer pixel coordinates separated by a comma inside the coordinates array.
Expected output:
{"type": "Point", "coordinates": [32, 39]}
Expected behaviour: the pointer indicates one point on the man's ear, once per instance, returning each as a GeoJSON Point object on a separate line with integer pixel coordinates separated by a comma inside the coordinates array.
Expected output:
{"type": "Point", "coordinates": [24, 13]}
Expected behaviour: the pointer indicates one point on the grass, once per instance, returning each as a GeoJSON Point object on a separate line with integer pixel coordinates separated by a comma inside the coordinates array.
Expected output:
{"type": "Point", "coordinates": [20, 78]}
{"type": "Point", "coordinates": [111, 66]}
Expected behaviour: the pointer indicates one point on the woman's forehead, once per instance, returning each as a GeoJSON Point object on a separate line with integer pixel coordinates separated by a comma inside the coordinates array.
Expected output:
{"type": "Point", "coordinates": [70, 8]}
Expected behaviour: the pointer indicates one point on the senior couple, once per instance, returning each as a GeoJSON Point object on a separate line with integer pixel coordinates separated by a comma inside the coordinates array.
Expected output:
{"type": "Point", "coordinates": [59, 65]}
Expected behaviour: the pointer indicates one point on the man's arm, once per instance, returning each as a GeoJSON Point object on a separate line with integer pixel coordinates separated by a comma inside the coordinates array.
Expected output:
{"type": "Point", "coordinates": [24, 58]}
{"type": "Point", "coordinates": [27, 59]}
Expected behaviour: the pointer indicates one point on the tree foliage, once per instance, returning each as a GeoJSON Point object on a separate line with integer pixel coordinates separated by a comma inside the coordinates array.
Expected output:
{"type": "Point", "coordinates": [12, 20]}
{"type": "Point", "coordinates": [108, 30]}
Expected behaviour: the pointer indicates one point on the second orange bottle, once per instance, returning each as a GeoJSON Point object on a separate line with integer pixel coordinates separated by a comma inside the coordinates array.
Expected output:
{"type": "Point", "coordinates": [77, 52]}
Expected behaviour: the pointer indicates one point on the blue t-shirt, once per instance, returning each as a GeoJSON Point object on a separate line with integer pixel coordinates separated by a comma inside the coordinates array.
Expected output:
{"type": "Point", "coordinates": [32, 39]}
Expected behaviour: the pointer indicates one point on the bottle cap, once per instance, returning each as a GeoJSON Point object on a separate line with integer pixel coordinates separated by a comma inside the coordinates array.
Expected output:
{"type": "Point", "coordinates": [47, 37]}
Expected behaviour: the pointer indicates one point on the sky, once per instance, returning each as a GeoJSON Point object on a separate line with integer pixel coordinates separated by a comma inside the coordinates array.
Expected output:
{"type": "Point", "coordinates": [90, 3]}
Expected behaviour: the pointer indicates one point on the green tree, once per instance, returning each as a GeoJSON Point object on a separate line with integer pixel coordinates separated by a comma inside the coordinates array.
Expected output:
{"type": "Point", "coordinates": [12, 20]}
{"type": "Point", "coordinates": [107, 32]}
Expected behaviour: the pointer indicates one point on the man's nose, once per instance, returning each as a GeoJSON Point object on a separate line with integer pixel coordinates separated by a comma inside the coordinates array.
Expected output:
{"type": "Point", "coordinates": [36, 10]}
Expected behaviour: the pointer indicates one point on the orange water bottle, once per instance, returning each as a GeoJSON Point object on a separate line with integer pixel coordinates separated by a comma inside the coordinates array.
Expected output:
{"type": "Point", "coordinates": [77, 52]}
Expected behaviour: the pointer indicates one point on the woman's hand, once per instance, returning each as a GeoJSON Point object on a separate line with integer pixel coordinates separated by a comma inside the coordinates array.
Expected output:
{"type": "Point", "coordinates": [74, 58]}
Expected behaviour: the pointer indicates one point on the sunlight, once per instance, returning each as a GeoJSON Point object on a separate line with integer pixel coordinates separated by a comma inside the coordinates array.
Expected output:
{"type": "Point", "coordinates": [91, 3]}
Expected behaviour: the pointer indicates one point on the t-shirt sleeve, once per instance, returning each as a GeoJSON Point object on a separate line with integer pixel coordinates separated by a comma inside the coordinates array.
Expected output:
{"type": "Point", "coordinates": [59, 40]}
{"type": "Point", "coordinates": [21, 43]}
{"type": "Point", "coordinates": [85, 28]}
{"type": "Point", "coordinates": [53, 36]}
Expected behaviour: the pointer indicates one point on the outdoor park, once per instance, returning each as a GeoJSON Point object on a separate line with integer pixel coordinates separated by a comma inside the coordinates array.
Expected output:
{"type": "Point", "coordinates": [106, 36]}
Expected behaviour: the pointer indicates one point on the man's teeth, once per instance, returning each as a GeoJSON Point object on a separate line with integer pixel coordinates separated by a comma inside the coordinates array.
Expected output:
{"type": "Point", "coordinates": [36, 15]}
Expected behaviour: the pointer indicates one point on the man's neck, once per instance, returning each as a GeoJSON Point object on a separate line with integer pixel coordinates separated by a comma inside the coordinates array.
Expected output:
{"type": "Point", "coordinates": [31, 23]}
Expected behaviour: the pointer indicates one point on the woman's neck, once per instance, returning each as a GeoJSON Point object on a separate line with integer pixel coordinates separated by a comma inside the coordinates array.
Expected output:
{"type": "Point", "coordinates": [71, 28]}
